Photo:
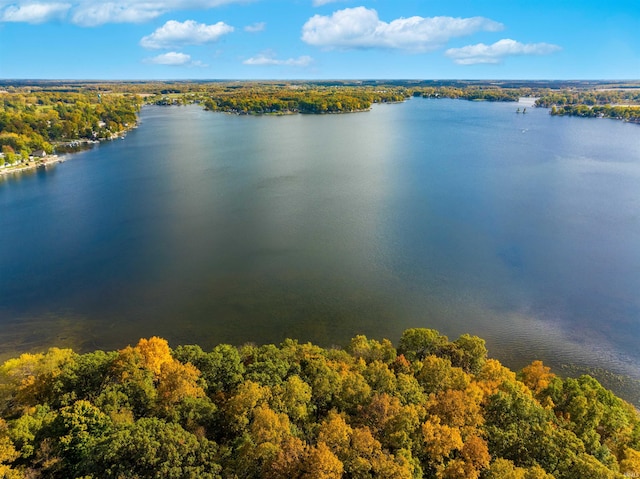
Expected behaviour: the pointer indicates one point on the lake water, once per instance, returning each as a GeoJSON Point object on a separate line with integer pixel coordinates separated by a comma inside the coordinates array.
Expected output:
{"type": "Point", "coordinates": [461, 216]}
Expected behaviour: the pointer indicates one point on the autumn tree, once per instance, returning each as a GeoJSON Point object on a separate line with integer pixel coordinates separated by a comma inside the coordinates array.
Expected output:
{"type": "Point", "coordinates": [536, 376]}
{"type": "Point", "coordinates": [437, 374]}
{"type": "Point", "coordinates": [458, 408]}
{"type": "Point", "coordinates": [372, 350]}
{"type": "Point", "coordinates": [8, 453]}
{"type": "Point", "coordinates": [321, 463]}
{"type": "Point", "coordinates": [440, 442]}
{"type": "Point", "coordinates": [32, 379]}
{"type": "Point", "coordinates": [299, 411]}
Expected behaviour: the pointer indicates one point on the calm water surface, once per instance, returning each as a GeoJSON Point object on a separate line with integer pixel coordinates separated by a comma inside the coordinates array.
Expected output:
{"type": "Point", "coordinates": [460, 216]}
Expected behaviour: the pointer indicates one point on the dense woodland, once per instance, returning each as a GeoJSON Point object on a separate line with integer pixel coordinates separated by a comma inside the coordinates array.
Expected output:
{"type": "Point", "coordinates": [473, 93]}
{"type": "Point", "coordinates": [52, 117]}
{"type": "Point", "coordinates": [41, 120]}
{"type": "Point", "coordinates": [297, 99]}
{"type": "Point", "coordinates": [617, 104]}
{"type": "Point", "coordinates": [430, 408]}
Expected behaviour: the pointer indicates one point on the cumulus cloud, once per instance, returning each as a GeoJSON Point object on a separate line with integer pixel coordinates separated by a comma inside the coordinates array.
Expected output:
{"type": "Point", "coordinates": [361, 27]}
{"type": "Point", "coordinates": [269, 59]}
{"type": "Point", "coordinates": [174, 59]}
{"type": "Point", "coordinates": [188, 32]}
{"type": "Point", "coordinates": [495, 53]}
{"type": "Point", "coordinates": [256, 27]}
{"type": "Point", "coordinates": [319, 3]}
{"type": "Point", "coordinates": [171, 58]}
{"type": "Point", "coordinates": [35, 12]}
{"type": "Point", "coordinates": [90, 13]}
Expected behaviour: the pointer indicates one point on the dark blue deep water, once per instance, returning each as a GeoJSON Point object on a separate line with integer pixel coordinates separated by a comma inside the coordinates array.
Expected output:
{"type": "Point", "coordinates": [460, 216]}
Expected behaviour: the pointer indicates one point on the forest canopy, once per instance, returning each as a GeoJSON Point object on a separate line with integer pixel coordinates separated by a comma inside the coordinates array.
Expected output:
{"type": "Point", "coordinates": [31, 121]}
{"type": "Point", "coordinates": [426, 408]}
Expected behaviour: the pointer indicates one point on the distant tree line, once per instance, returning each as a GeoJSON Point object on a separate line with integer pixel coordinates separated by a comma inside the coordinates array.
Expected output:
{"type": "Point", "coordinates": [428, 408]}
{"type": "Point", "coordinates": [620, 104]}
{"type": "Point", "coordinates": [626, 113]}
{"type": "Point", "coordinates": [589, 97]}
{"type": "Point", "coordinates": [284, 99]}
{"type": "Point", "coordinates": [44, 116]}
{"type": "Point", "coordinates": [473, 93]}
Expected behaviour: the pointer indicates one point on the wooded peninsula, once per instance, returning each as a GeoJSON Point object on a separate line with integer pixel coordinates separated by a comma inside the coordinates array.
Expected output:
{"type": "Point", "coordinates": [428, 408]}
{"type": "Point", "coordinates": [39, 118]}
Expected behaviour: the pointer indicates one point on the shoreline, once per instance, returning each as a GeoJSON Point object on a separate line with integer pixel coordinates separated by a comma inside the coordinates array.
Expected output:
{"type": "Point", "coordinates": [33, 165]}
{"type": "Point", "coordinates": [54, 159]}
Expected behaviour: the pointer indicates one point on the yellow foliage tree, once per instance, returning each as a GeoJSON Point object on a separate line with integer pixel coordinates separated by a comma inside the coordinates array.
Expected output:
{"type": "Point", "coordinates": [475, 457]}
{"type": "Point", "coordinates": [151, 362]}
{"type": "Point", "coordinates": [630, 463]}
{"type": "Point", "coordinates": [27, 380]}
{"type": "Point", "coordinates": [458, 408]}
{"type": "Point", "coordinates": [293, 397]}
{"type": "Point", "coordinates": [536, 376]}
{"type": "Point", "coordinates": [8, 453]}
{"type": "Point", "coordinates": [440, 440]}
{"type": "Point", "coordinates": [289, 461]}
{"type": "Point", "coordinates": [505, 469]}
{"type": "Point", "coordinates": [239, 408]}
{"type": "Point", "coordinates": [366, 458]}
{"type": "Point", "coordinates": [492, 376]}
{"type": "Point", "coordinates": [335, 433]}
{"type": "Point", "coordinates": [269, 426]}
{"type": "Point", "coordinates": [154, 352]}
{"type": "Point", "coordinates": [177, 381]}
{"type": "Point", "coordinates": [321, 463]}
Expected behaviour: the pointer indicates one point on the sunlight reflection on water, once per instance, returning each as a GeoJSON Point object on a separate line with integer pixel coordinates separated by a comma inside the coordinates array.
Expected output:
{"type": "Point", "coordinates": [458, 216]}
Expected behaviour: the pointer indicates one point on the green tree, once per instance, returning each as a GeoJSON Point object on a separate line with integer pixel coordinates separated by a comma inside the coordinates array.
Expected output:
{"type": "Point", "coordinates": [222, 368]}
{"type": "Point", "coordinates": [437, 374]}
{"type": "Point", "coordinates": [372, 350]}
{"type": "Point", "coordinates": [473, 353]}
{"type": "Point", "coordinates": [418, 343]}
{"type": "Point", "coordinates": [152, 448]}
{"type": "Point", "coordinates": [79, 429]}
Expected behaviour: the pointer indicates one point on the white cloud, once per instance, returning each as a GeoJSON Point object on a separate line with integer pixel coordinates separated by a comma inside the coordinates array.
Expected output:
{"type": "Point", "coordinates": [319, 3]}
{"type": "Point", "coordinates": [256, 27]}
{"type": "Point", "coordinates": [361, 28]}
{"type": "Point", "coordinates": [174, 59]}
{"type": "Point", "coordinates": [93, 14]}
{"type": "Point", "coordinates": [171, 58]}
{"type": "Point", "coordinates": [269, 59]}
{"type": "Point", "coordinates": [35, 12]}
{"type": "Point", "coordinates": [481, 53]}
{"type": "Point", "coordinates": [188, 32]}
{"type": "Point", "coordinates": [90, 13]}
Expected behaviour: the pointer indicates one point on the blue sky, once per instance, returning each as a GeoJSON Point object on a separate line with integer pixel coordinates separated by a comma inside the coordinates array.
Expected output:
{"type": "Point", "coordinates": [319, 39]}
